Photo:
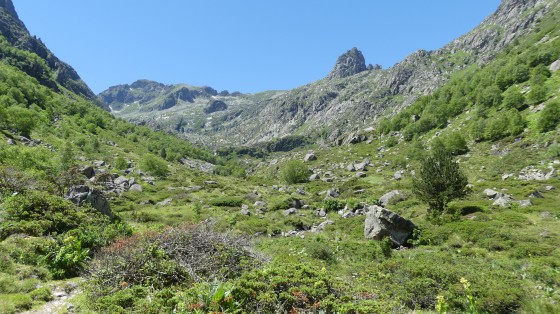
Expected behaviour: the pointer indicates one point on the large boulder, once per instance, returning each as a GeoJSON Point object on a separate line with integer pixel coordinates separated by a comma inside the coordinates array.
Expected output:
{"type": "Point", "coordinates": [381, 223]}
{"type": "Point", "coordinates": [214, 106]}
{"type": "Point", "coordinates": [348, 64]}
{"type": "Point", "coordinates": [83, 194]}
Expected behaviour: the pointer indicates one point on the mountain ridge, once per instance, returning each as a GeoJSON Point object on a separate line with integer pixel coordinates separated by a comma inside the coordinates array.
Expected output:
{"type": "Point", "coordinates": [344, 103]}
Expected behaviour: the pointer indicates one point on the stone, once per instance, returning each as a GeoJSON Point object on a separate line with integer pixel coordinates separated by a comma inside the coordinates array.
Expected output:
{"type": "Point", "coordinates": [399, 175]}
{"type": "Point", "coordinates": [360, 174]}
{"type": "Point", "coordinates": [333, 193]}
{"type": "Point", "coordinates": [245, 212]}
{"type": "Point", "coordinates": [525, 203]}
{"type": "Point", "coordinates": [507, 176]}
{"type": "Point", "coordinates": [535, 194]}
{"type": "Point", "coordinates": [11, 142]}
{"type": "Point", "coordinates": [298, 204]}
{"type": "Point", "coordinates": [351, 167]}
{"type": "Point", "coordinates": [88, 171]}
{"type": "Point", "coordinates": [395, 196]}
{"type": "Point", "coordinates": [348, 215]}
{"type": "Point", "coordinates": [550, 188]}
{"type": "Point", "coordinates": [321, 226]}
{"type": "Point", "coordinates": [490, 193]}
{"type": "Point", "coordinates": [361, 166]}
{"type": "Point", "coordinates": [121, 181]}
{"type": "Point", "coordinates": [503, 200]}
{"type": "Point", "coordinates": [136, 188]}
{"type": "Point", "coordinates": [314, 177]}
{"type": "Point", "coordinates": [300, 190]}
{"type": "Point", "coordinates": [290, 211]}
{"type": "Point", "coordinates": [381, 223]}
{"type": "Point", "coordinates": [555, 66]}
{"type": "Point", "coordinates": [321, 213]}
{"type": "Point", "coordinates": [260, 204]}
{"type": "Point", "coordinates": [82, 194]}
{"type": "Point", "coordinates": [165, 202]}
{"type": "Point", "coordinates": [309, 157]}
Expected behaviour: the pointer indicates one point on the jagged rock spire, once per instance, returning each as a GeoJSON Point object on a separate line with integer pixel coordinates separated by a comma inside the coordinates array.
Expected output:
{"type": "Point", "coordinates": [348, 64]}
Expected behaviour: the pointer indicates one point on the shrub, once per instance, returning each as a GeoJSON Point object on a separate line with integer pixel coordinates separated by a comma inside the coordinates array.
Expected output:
{"type": "Point", "coordinates": [287, 288]}
{"type": "Point", "coordinates": [120, 163]}
{"type": "Point", "coordinates": [331, 205]}
{"type": "Point", "coordinates": [513, 98]}
{"type": "Point", "coordinates": [227, 201]}
{"type": "Point", "coordinates": [154, 166]}
{"type": "Point", "coordinates": [439, 181]}
{"type": "Point", "coordinates": [550, 117]}
{"type": "Point", "coordinates": [456, 144]}
{"type": "Point", "coordinates": [294, 172]}
{"type": "Point", "coordinates": [175, 256]}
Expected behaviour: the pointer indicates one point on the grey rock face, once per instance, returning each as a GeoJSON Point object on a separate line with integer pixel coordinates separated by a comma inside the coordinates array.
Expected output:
{"type": "Point", "coordinates": [350, 63]}
{"type": "Point", "coordinates": [215, 106]}
{"type": "Point", "coordinates": [82, 194]}
{"type": "Point", "coordinates": [381, 223]}
{"type": "Point", "coordinates": [555, 66]}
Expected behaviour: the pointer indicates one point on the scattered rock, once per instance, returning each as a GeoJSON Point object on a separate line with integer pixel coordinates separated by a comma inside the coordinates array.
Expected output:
{"type": "Point", "coordinates": [381, 223]}
{"type": "Point", "coordinates": [210, 182]}
{"type": "Point", "coordinates": [165, 202]}
{"type": "Point", "coordinates": [399, 175]}
{"type": "Point", "coordinates": [321, 213]}
{"type": "Point", "coordinates": [82, 194]}
{"type": "Point", "coordinates": [351, 167]}
{"type": "Point", "coordinates": [525, 203]}
{"type": "Point", "coordinates": [503, 200]}
{"type": "Point", "coordinates": [245, 212]}
{"type": "Point", "coordinates": [395, 196]}
{"type": "Point", "coordinates": [550, 188]}
{"type": "Point", "coordinates": [333, 193]}
{"type": "Point", "coordinates": [300, 190]}
{"type": "Point", "coordinates": [290, 211]}
{"type": "Point", "coordinates": [309, 157]}
{"type": "Point", "coordinates": [507, 176]}
{"type": "Point", "coordinates": [535, 194]}
{"type": "Point", "coordinates": [136, 188]}
{"type": "Point", "coordinates": [260, 205]}
{"type": "Point", "coordinates": [546, 215]}
{"type": "Point", "coordinates": [11, 142]}
{"type": "Point", "coordinates": [555, 66]}
{"type": "Point", "coordinates": [361, 174]}
{"type": "Point", "coordinates": [361, 166]}
{"type": "Point", "coordinates": [490, 193]}
{"type": "Point", "coordinates": [314, 177]}
{"type": "Point", "coordinates": [321, 226]}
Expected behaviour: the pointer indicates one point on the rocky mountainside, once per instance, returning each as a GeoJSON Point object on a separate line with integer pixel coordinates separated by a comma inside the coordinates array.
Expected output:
{"type": "Point", "coordinates": [352, 95]}
{"type": "Point", "coordinates": [48, 70]}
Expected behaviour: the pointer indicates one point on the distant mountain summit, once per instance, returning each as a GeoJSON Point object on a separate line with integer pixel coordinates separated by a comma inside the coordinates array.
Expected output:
{"type": "Point", "coordinates": [350, 63]}
{"type": "Point", "coordinates": [51, 71]}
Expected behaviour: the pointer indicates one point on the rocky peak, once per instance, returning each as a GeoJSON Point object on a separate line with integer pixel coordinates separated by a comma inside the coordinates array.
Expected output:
{"type": "Point", "coordinates": [9, 7]}
{"type": "Point", "coordinates": [348, 64]}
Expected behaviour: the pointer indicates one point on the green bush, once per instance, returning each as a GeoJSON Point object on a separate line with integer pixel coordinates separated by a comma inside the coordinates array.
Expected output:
{"type": "Point", "coordinates": [331, 205]}
{"type": "Point", "coordinates": [295, 171]}
{"type": "Point", "coordinates": [439, 181]}
{"type": "Point", "coordinates": [550, 117]}
{"type": "Point", "coordinates": [227, 201]}
{"type": "Point", "coordinates": [154, 166]}
{"type": "Point", "coordinates": [120, 163]}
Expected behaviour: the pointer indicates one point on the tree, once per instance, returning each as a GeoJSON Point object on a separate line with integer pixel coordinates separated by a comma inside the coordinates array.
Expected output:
{"type": "Point", "coordinates": [550, 117]}
{"type": "Point", "coordinates": [440, 180]}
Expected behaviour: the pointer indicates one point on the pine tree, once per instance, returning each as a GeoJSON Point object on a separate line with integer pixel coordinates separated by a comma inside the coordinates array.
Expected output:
{"type": "Point", "coordinates": [440, 180]}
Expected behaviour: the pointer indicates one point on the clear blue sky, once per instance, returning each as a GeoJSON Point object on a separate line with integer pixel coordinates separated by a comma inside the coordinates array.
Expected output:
{"type": "Point", "coordinates": [249, 46]}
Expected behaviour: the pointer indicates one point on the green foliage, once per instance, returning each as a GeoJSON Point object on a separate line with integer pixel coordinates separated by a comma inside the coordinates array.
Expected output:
{"type": "Point", "coordinates": [287, 287]}
{"type": "Point", "coordinates": [295, 171]}
{"type": "Point", "coordinates": [154, 166]}
{"type": "Point", "coordinates": [67, 259]}
{"type": "Point", "coordinates": [456, 144]}
{"type": "Point", "coordinates": [121, 163]}
{"type": "Point", "coordinates": [332, 205]}
{"type": "Point", "coordinates": [227, 201]}
{"type": "Point", "coordinates": [439, 181]}
{"type": "Point", "coordinates": [550, 117]}
{"type": "Point", "coordinates": [513, 98]}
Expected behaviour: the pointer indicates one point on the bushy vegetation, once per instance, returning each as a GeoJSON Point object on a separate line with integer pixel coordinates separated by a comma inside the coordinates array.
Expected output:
{"type": "Point", "coordinates": [294, 172]}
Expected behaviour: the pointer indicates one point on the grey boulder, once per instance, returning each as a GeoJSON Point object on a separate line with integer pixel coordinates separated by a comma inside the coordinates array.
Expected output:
{"type": "Point", "coordinates": [381, 223]}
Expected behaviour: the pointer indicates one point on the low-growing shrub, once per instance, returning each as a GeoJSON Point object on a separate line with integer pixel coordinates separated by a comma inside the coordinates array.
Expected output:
{"type": "Point", "coordinates": [294, 172]}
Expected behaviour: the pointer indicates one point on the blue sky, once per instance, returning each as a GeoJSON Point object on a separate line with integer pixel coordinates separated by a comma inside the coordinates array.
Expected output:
{"type": "Point", "coordinates": [249, 46]}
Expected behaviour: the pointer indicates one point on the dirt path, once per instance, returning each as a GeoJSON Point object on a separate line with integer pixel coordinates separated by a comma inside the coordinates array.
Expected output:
{"type": "Point", "coordinates": [61, 302]}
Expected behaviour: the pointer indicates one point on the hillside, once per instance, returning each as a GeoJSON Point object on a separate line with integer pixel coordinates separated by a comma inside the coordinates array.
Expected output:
{"type": "Point", "coordinates": [340, 104]}
{"type": "Point", "coordinates": [99, 215]}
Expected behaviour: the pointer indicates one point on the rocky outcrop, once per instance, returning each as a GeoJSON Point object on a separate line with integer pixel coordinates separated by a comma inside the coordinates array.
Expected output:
{"type": "Point", "coordinates": [82, 194]}
{"type": "Point", "coordinates": [381, 223]}
{"type": "Point", "coordinates": [215, 106]}
{"type": "Point", "coordinates": [350, 63]}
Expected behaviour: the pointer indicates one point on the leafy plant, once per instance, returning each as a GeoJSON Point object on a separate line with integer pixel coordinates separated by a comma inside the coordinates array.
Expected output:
{"type": "Point", "coordinates": [295, 171]}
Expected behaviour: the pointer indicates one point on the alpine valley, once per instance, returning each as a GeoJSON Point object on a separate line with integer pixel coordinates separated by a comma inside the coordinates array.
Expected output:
{"type": "Point", "coordinates": [427, 187]}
